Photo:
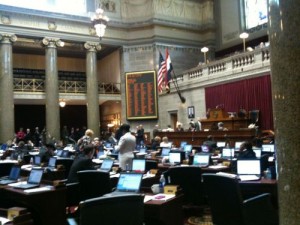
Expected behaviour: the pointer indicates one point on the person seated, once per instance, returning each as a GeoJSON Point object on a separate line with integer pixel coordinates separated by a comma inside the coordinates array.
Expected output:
{"type": "Point", "coordinates": [47, 152]}
{"type": "Point", "coordinates": [246, 151]}
{"type": "Point", "coordinates": [165, 142]}
{"type": "Point", "coordinates": [82, 162]}
{"type": "Point", "coordinates": [155, 142]}
{"type": "Point", "coordinates": [210, 143]}
{"type": "Point", "coordinates": [221, 126]}
{"type": "Point", "coordinates": [179, 128]}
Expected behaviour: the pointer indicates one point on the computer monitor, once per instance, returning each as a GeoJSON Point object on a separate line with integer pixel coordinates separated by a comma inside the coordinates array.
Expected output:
{"type": "Point", "coordinates": [165, 151]}
{"type": "Point", "coordinates": [175, 157]}
{"type": "Point", "coordinates": [187, 148]}
{"type": "Point", "coordinates": [221, 144]}
{"type": "Point", "coordinates": [182, 144]}
{"type": "Point", "coordinates": [268, 148]}
{"type": "Point", "coordinates": [228, 153]}
{"type": "Point", "coordinates": [205, 148]}
{"type": "Point", "coordinates": [237, 144]}
{"type": "Point", "coordinates": [138, 165]}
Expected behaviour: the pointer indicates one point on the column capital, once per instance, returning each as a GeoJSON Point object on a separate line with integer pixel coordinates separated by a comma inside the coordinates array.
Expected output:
{"type": "Point", "coordinates": [92, 46]}
{"type": "Point", "coordinates": [53, 42]}
{"type": "Point", "coordinates": [7, 38]}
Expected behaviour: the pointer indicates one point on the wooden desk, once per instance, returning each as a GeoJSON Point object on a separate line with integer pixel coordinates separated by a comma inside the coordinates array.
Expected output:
{"type": "Point", "coordinates": [47, 207]}
{"type": "Point", "coordinates": [164, 212]}
{"type": "Point", "coordinates": [198, 137]}
{"type": "Point", "coordinates": [253, 188]}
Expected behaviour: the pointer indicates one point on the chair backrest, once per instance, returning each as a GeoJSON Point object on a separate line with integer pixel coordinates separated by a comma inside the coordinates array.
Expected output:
{"type": "Point", "coordinates": [113, 210]}
{"type": "Point", "coordinates": [190, 180]}
{"type": "Point", "coordinates": [151, 164]}
{"type": "Point", "coordinates": [5, 168]}
{"type": "Point", "coordinates": [72, 194]}
{"type": "Point", "coordinates": [224, 198]}
{"type": "Point", "coordinates": [93, 183]}
{"type": "Point", "coordinates": [67, 163]}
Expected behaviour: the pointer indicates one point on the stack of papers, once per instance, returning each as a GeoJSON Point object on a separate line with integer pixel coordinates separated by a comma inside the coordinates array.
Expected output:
{"type": "Point", "coordinates": [158, 197]}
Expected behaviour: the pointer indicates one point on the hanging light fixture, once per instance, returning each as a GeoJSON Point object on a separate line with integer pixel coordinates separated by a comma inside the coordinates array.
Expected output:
{"type": "Point", "coordinates": [62, 103]}
{"type": "Point", "coordinates": [99, 21]}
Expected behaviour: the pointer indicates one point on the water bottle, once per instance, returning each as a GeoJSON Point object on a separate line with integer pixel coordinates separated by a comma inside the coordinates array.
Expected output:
{"type": "Point", "coordinates": [268, 174]}
{"type": "Point", "coordinates": [162, 182]}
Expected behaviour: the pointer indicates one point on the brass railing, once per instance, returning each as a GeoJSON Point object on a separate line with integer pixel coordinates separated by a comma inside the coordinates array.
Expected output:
{"type": "Point", "coordinates": [38, 85]}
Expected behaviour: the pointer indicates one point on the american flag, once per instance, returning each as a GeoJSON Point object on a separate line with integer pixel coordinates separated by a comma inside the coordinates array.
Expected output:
{"type": "Point", "coordinates": [161, 73]}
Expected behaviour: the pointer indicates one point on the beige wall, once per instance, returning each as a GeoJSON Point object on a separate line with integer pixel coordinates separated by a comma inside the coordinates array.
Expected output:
{"type": "Point", "coordinates": [29, 61]}
{"type": "Point", "coordinates": [109, 68]}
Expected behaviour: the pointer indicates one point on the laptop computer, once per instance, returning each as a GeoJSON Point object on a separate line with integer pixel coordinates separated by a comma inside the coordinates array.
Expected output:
{"type": "Point", "coordinates": [165, 151]}
{"type": "Point", "coordinates": [221, 144]}
{"type": "Point", "coordinates": [13, 176]}
{"type": "Point", "coordinates": [248, 169]}
{"type": "Point", "coordinates": [187, 148]}
{"type": "Point", "coordinates": [201, 159]}
{"type": "Point", "coordinates": [139, 165]}
{"type": "Point", "coordinates": [268, 148]}
{"type": "Point", "coordinates": [59, 152]}
{"type": "Point", "coordinates": [228, 153]}
{"type": "Point", "coordinates": [37, 160]}
{"type": "Point", "coordinates": [34, 180]}
{"type": "Point", "coordinates": [51, 163]}
{"type": "Point", "coordinates": [128, 183]}
{"type": "Point", "coordinates": [237, 144]}
{"type": "Point", "coordinates": [106, 165]}
{"type": "Point", "coordinates": [174, 158]}
{"type": "Point", "coordinates": [182, 144]}
{"type": "Point", "coordinates": [205, 148]}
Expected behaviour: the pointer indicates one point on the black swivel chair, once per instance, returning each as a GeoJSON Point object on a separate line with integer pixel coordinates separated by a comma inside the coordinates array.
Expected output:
{"type": "Point", "coordinates": [228, 207]}
{"type": "Point", "coordinates": [113, 210]}
{"type": "Point", "coordinates": [190, 180]}
{"type": "Point", "coordinates": [93, 183]}
{"type": "Point", "coordinates": [5, 168]}
{"type": "Point", "coordinates": [151, 164]}
{"type": "Point", "coordinates": [66, 163]}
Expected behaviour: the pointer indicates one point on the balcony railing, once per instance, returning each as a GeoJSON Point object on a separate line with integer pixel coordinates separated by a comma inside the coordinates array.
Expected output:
{"type": "Point", "coordinates": [257, 59]}
{"type": "Point", "coordinates": [38, 85]}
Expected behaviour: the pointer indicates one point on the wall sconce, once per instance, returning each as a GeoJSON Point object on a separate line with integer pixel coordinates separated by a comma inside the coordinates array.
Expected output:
{"type": "Point", "coordinates": [204, 50]}
{"type": "Point", "coordinates": [244, 36]}
{"type": "Point", "coordinates": [62, 103]}
{"type": "Point", "coordinates": [99, 21]}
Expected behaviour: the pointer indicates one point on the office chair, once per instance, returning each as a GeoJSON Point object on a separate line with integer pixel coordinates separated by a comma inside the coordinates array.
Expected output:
{"type": "Point", "coordinates": [93, 183]}
{"type": "Point", "coordinates": [113, 210]}
{"type": "Point", "coordinates": [229, 208]}
{"type": "Point", "coordinates": [190, 180]}
{"type": "Point", "coordinates": [72, 198]}
{"type": "Point", "coordinates": [151, 164]}
{"type": "Point", "coordinates": [5, 168]}
{"type": "Point", "coordinates": [66, 163]}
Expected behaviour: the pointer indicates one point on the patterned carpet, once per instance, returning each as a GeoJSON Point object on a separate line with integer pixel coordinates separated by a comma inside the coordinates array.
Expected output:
{"type": "Point", "coordinates": [193, 220]}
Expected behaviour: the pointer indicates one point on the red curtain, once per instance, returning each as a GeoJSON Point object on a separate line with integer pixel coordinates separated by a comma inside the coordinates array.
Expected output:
{"type": "Point", "coordinates": [250, 94]}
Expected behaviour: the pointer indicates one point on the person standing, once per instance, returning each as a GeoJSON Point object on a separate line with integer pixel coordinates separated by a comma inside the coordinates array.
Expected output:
{"type": "Point", "coordinates": [198, 125]}
{"type": "Point", "coordinates": [140, 135]}
{"type": "Point", "coordinates": [125, 147]}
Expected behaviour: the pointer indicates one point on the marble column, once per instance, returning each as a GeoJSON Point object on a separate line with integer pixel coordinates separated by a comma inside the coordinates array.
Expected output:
{"type": "Point", "coordinates": [51, 89]}
{"type": "Point", "coordinates": [7, 118]}
{"type": "Point", "coordinates": [92, 94]}
{"type": "Point", "coordinates": [284, 33]}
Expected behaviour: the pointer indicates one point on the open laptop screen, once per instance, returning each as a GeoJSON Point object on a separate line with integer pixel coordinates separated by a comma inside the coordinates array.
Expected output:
{"type": "Point", "coordinates": [129, 182]}
{"type": "Point", "coordinates": [187, 148]}
{"type": "Point", "coordinates": [257, 152]}
{"type": "Point", "coordinates": [248, 167]}
{"type": "Point", "coordinates": [268, 148]}
{"type": "Point", "coordinates": [138, 165]}
{"type": "Point", "coordinates": [107, 164]}
{"type": "Point", "coordinates": [174, 157]}
{"type": "Point", "coordinates": [237, 144]}
{"type": "Point", "coordinates": [227, 153]}
{"type": "Point", "coordinates": [165, 151]}
{"type": "Point", "coordinates": [35, 176]}
{"type": "Point", "coordinates": [201, 159]}
{"type": "Point", "coordinates": [221, 144]}
{"type": "Point", "coordinates": [15, 173]}
{"type": "Point", "coordinates": [37, 160]}
{"type": "Point", "coordinates": [205, 148]}
{"type": "Point", "coordinates": [52, 162]}
{"type": "Point", "coordinates": [182, 144]}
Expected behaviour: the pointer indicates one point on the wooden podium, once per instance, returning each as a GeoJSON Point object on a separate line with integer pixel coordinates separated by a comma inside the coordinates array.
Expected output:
{"type": "Point", "coordinates": [219, 115]}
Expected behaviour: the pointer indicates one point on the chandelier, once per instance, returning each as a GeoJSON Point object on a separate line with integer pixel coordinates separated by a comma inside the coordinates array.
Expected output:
{"type": "Point", "coordinates": [99, 21]}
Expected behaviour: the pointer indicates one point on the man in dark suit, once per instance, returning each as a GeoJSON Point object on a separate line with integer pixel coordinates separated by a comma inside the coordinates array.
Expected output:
{"type": "Point", "coordinates": [82, 162]}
